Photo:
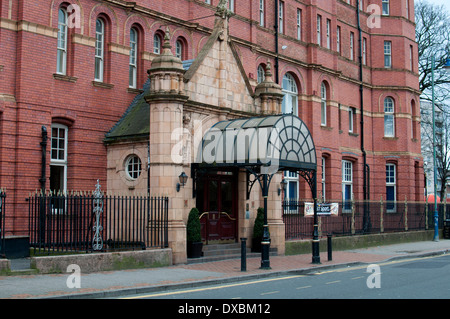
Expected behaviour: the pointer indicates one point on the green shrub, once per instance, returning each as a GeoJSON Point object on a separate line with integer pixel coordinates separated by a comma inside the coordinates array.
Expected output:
{"type": "Point", "coordinates": [258, 228]}
{"type": "Point", "coordinates": [193, 227]}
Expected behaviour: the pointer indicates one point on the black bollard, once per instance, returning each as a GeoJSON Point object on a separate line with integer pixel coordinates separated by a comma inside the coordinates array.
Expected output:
{"type": "Point", "coordinates": [243, 254]}
{"type": "Point", "coordinates": [330, 248]}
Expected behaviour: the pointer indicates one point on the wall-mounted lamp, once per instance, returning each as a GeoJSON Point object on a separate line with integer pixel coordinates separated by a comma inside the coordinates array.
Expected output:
{"type": "Point", "coordinates": [283, 185]}
{"type": "Point", "coordinates": [183, 179]}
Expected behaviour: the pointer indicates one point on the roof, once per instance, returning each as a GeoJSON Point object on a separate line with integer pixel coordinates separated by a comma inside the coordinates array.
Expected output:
{"type": "Point", "coordinates": [281, 142]}
{"type": "Point", "coordinates": [135, 122]}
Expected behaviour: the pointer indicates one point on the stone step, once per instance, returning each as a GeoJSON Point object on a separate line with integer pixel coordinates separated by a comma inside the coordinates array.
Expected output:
{"type": "Point", "coordinates": [218, 252]}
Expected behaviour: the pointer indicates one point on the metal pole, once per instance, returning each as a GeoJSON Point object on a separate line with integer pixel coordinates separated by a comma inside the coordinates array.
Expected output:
{"type": "Point", "coordinates": [330, 248]}
{"type": "Point", "coordinates": [315, 241]}
{"type": "Point", "coordinates": [265, 244]}
{"type": "Point", "coordinates": [243, 254]}
{"type": "Point", "coordinates": [436, 230]}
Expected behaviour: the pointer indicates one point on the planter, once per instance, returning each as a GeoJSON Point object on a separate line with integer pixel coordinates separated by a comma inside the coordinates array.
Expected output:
{"type": "Point", "coordinates": [194, 249]}
{"type": "Point", "coordinates": [256, 245]}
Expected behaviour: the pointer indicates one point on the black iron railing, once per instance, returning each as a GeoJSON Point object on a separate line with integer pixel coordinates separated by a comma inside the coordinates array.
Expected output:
{"type": "Point", "coordinates": [2, 222]}
{"type": "Point", "coordinates": [383, 217]}
{"type": "Point", "coordinates": [85, 222]}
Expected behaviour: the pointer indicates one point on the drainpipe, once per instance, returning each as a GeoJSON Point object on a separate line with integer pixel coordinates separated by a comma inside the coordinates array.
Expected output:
{"type": "Point", "coordinates": [44, 158]}
{"type": "Point", "coordinates": [276, 42]}
{"type": "Point", "coordinates": [366, 218]}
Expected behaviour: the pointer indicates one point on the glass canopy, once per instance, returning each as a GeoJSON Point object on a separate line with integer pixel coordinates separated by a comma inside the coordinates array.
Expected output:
{"type": "Point", "coordinates": [276, 142]}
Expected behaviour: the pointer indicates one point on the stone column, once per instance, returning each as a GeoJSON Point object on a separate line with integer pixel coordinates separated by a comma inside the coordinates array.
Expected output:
{"type": "Point", "coordinates": [166, 99]}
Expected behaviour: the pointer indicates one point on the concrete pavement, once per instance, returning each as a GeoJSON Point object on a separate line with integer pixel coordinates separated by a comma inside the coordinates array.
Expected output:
{"type": "Point", "coordinates": [127, 282]}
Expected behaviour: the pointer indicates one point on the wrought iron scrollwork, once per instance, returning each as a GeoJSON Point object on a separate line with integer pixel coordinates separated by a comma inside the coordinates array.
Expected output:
{"type": "Point", "coordinates": [97, 241]}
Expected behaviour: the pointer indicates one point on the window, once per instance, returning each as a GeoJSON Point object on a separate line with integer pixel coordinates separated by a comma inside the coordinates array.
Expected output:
{"type": "Point", "coordinates": [387, 54]}
{"type": "Point", "coordinates": [347, 184]}
{"type": "Point", "coordinates": [61, 62]}
{"type": "Point", "coordinates": [338, 39]}
{"type": "Point", "coordinates": [99, 49]}
{"type": "Point", "coordinates": [133, 167]}
{"type": "Point", "coordinates": [290, 98]}
{"type": "Point", "coordinates": [411, 61]}
{"type": "Point", "coordinates": [352, 46]}
{"type": "Point", "coordinates": [280, 17]}
{"type": "Point", "coordinates": [133, 58]}
{"type": "Point", "coordinates": [385, 7]}
{"type": "Point", "coordinates": [290, 105]}
{"type": "Point", "coordinates": [389, 123]}
{"type": "Point", "coordinates": [390, 187]}
{"type": "Point", "coordinates": [299, 24]}
{"type": "Point", "coordinates": [157, 44]}
{"type": "Point", "coordinates": [58, 158]}
{"type": "Point", "coordinates": [208, 1]}
{"type": "Point", "coordinates": [407, 9]}
{"type": "Point", "coordinates": [319, 35]}
{"type": "Point", "coordinates": [179, 49]}
{"type": "Point", "coordinates": [324, 160]}
{"type": "Point", "coordinates": [261, 74]}
{"type": "Point", "coordinates": [361, 5]}
{"type": "Point", "coordinates": [323, 104]}
{"type": "Point", "coordinates": [231, 5]}
{"type": "Point", "coordinates": [328, 34]}
{"type": "Point", "coordinates": [261, 13]}
{"type": "Point", "coordinates": [351, 119]}
{"type": "Point", "coordinates": [364, 55]}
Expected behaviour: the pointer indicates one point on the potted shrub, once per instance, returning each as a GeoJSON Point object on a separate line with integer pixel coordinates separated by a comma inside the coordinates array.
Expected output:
{"type": "Point", "coordinates": [258, 230]}
{"type": "Point", "coordinates": [194, 237]}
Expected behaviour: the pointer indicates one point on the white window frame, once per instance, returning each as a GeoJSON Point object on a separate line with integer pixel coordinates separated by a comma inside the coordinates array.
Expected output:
{"type": "Point", "coordinates": [324, 161]}
{"type": "Point", "coordinates": [319, 29]}
{"type": "Point", "coordinates": [231, 5]}
{"type": "Point", "coordinates": [338, 39]}
{"type": "Point", "coordinates": [389, 117]}
{"type": "Point", "coordinates": [156, 44]}
{"type": "Point", "coordinates": [299, 24]}
{"type": "Point", "coordinates": [260, 74]}
{"type": "Point", "coordinates": [179, 49]}
{"type": "Point", "coordinates": [99, 50]}
{"type": "Point", "coordinates": [328, 34]}
{"type": "Point", "coordinates": [59, 161]}
{"type": "Point", "coordinates": [135, 162]}
{"type": "Point", "coordinates": [351, 118]}
{"type": "Point", "coordinates": [61, 59]}
{"type": "Point", "coordinates": [261, 13]}
{"type": "Point", "coordinates": [347, 180]}
{"type": "Point", "coordinates": [385, 7]}
{"type": "Point", "coordinates": [280, 16]}
{"type": "Point", "coordinates": [133, 58]}
{"type": "Point", "coordinates": [323, 104]}
{"type": "Point", "coordinates": [387, 54]}
{"type": "Point", "coordinates": [364, 57]}
{"type": "Point", "coordinates": [391, 181]}
{"type": "Point", "coordinates": [352, 46]}
{"type": "Point", "coordinates": [290, 92]}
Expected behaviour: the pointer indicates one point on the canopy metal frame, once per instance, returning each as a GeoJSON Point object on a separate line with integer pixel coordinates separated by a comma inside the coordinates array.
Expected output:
{"type": "Point", "coordinates": [263, 146]}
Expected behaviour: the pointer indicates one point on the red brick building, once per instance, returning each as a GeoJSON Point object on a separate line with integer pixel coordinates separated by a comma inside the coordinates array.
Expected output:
{"type": "Point", "coordinates": [75, 67]}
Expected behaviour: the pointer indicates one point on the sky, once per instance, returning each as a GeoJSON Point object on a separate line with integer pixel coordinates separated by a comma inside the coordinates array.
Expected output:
{"type": "Point", "coordinates": [446, 3]}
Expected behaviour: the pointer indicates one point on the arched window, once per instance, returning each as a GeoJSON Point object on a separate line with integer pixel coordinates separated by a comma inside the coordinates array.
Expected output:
{"type": "Point", "coordinates": [61, 62]}
{"type": "Point", "coordinates": [290, 98]}
{"type": "Point", "coordinates": [261, 74]}
{"type": "Point", "coordinates": [389, 121]}
{"type": "Point", "coordinates": [133, 58]}
{"type": "Point", "coordinates": [157, 44]}
{"type": "Point", "coordinates": [323, 104]}
{"type": "Point", "coordinates": [99, 49]}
